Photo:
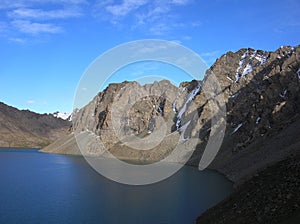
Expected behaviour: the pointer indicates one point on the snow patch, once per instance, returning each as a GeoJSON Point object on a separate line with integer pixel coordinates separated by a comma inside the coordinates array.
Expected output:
{"type": "Point", "coordinates": [257, 120]}
{"type": "Point", "coordinates": [234, 95]}
{"type": "Point", "coordinates": [247, 70]}
{"type": "Point", "coordinates": [62, 115]}
{"type": "Point", "coordinates": [242, 60]}
{"type": "Point", "coordinates": [182, 110]}
{"type": "Point", "coordinates": [175, 101]}
{"type": "Point", "coordinates": [261, 58]}
{"type": "Point", "coordinates": [287, 52]}
{"type": "Point", "coordinates": [174, 105]}
{"type": "Point", "coordinates": [237, 128]}
{"type": "Point", "coordinates": [298, 73]}
{"type": "Point", "coordinates": [182, 130]}
{"type": "Point", "coordinates": [283, 94]}
{"type": "Point", "coordinates": [184, 107]}
{"type": "Point", "coordinates": [230, 79]}
{"type": "Point", "coordinates": [250, 66]}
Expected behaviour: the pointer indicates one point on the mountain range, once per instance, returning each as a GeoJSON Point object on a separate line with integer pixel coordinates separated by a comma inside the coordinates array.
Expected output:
{"type": "Point", "coordinates": [259, 91]}
{"type": "Point", "coordinates": [248, 100]}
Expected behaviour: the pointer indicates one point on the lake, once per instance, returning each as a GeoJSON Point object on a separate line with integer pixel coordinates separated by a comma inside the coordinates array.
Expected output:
{"type": "Point", "coordinates": [37, 187]}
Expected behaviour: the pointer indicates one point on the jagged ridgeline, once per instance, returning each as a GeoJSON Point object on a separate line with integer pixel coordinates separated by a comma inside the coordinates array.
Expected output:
{"type": "Point", "coordinates": [261, 95]}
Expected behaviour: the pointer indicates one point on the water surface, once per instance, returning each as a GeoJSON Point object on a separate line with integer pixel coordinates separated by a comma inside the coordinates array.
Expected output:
{"type": "Point", "coordinates": [37, 187]}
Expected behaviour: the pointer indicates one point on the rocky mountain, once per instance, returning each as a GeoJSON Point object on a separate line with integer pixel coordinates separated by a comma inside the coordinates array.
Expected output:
{"type": "Point", "coordinates": [261, 93]}
{"type": "Point", "coordinates": [249, 105]}
{"type": "Point", "coordinates": [136, 110]}
{"type": "Point", "coordinates": [261, 147]}
{"type": "Point", "coordinates": [253, 93]}
{"type": "Point", "coordinates": [23, 128]}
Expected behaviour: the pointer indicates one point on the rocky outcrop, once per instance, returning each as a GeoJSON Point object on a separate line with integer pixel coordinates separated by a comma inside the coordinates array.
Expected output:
{"type": "Point", "coordinates": [119, 114]}
{"type": "Point", "coordinates": [23, 128]}
{"type": "Point", "coordinates": [137, 106]}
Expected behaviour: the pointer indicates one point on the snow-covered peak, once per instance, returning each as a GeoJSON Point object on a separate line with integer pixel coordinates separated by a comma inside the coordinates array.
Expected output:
{"type": "Point", "coordinates": [62, 115]}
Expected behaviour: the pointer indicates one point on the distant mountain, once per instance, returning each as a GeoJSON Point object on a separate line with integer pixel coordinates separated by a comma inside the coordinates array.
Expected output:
{"type": "Point", "coordinates": [23, 128]}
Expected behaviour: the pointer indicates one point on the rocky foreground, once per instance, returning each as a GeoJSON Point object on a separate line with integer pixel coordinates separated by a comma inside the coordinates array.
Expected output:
{"type": "Point", "coordinates": [270, 196]}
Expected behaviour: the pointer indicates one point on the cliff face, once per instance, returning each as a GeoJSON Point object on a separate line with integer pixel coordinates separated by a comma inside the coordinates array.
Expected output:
{"type": "Point", "coordinates": [134, 106]}
{"type": "Point", "coordinates": [119, 114]}
{"type": "Point", "coordinates": [29, 129]}
{"type": "Point", "coordinates": [257, 91]}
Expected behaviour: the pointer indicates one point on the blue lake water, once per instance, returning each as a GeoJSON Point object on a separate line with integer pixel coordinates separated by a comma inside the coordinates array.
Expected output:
{"type": "Point", "coordinates": [37, 187]}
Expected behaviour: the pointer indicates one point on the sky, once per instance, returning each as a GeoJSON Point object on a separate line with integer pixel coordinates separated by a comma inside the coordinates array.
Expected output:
{"type": "Point", "coordinates": [47, 45]}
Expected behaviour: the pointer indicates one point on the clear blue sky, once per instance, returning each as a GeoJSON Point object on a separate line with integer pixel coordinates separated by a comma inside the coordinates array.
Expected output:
{"type": "Point", "coordinates": [46, 45]}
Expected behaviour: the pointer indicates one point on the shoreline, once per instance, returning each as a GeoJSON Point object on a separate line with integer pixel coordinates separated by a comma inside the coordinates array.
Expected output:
{"type": "Point", "coordinates": [17, 148]}
{"type": "Point", "coordinates": [226, 206]}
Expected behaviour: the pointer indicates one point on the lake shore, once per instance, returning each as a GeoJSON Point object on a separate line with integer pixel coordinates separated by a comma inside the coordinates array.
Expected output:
{"type": "Point", "coordinates": [270, 195]}
{"type": "Point", "coordinates": [58, 182]}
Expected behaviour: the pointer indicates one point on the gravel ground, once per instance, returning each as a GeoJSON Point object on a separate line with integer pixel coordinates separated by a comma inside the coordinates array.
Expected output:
{"type": "Point", "coordinates": [270, 196]}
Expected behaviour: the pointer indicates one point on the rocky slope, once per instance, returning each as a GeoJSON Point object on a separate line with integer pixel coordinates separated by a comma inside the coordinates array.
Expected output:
{"type": "Point", "coordinates": [261, 91]}
{"type": "Point", "coordinates": [271, 196]}
{"type": "Point", "coordinates": [261, 147]}
{"type": "Point", "coordinates": [23, 128]}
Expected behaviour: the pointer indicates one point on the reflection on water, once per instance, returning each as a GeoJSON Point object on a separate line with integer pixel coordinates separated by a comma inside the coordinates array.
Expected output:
{"type": "Point", "coordinates": [44, 188]}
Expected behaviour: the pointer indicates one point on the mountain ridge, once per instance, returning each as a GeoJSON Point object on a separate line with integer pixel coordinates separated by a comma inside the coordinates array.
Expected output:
{"type": "Point", "coordinates": [260, 90]}
{"type": "Point", "coordinates": [24, 128]}
{"type": "Point", "coordinates": [266, 81]}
